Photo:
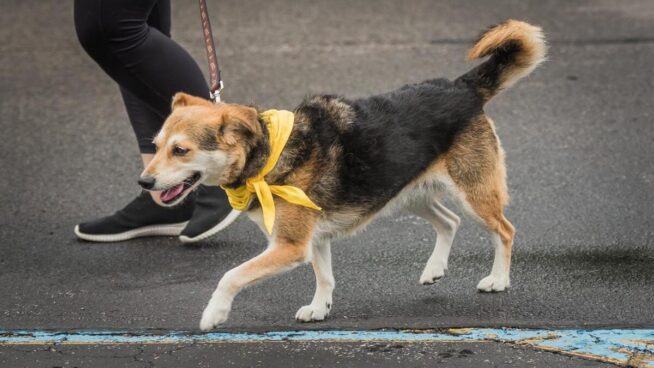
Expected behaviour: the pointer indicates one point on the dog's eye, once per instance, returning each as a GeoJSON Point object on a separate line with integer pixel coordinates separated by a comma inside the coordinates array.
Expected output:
{"type": "Point", "coordinates": [179, 151]}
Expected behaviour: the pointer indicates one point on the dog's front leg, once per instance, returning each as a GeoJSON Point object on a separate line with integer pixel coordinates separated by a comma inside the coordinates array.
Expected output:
{"type": "Point", "coordinates": [321, 260]}
{"type": "Point", "coordinates": [288, 248]}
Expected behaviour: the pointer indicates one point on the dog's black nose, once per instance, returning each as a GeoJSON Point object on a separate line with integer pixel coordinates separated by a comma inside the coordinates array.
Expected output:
{"type": "Point", "coordinates": [147, 182]}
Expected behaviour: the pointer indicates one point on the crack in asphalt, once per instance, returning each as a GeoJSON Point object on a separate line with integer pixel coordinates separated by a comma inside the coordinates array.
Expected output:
{"type": "Point", "coordinates": [141, 351]}
{"type": "Point", "coordinates": [149, 361]}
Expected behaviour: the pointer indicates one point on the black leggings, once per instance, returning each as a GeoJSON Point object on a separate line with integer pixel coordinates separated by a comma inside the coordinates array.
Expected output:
{"type": "Point", "coordinates": [130, 40]}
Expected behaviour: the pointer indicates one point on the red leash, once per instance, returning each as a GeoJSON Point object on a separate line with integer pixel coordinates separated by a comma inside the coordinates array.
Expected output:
{"type": "Point", "coordinates": [214, 68]}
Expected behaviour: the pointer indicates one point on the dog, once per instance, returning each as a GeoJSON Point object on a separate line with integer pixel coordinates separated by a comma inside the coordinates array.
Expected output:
{"type": "Point", "coordinates": [357, 159]}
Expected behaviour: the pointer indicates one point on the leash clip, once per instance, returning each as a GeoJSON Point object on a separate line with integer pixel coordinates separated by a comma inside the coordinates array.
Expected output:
{"type": "Point", "coordinates": [215, 95]}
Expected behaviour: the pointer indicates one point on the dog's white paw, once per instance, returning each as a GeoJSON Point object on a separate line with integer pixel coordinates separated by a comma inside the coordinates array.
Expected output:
{"type": "Point", "coordinates": [431, 274]}
{"type": "Point", "coordinates": [214, 314]}
{"type": "Point", "coordinates": [310, 313]}
{"type": "Point", "coordinates": [493, 283]}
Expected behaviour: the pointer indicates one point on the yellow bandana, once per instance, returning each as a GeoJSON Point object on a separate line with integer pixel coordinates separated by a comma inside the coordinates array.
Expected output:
{"type": "Point", "coordinates": [279, 124]}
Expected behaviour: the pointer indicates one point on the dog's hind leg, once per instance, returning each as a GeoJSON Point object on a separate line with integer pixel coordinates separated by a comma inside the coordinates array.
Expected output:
{"type": "Point", "coordinates": [489, 209]}
{"type": "Point", "coordinates": [445, 223]}
{"type": "Point", "coordinates": [288, 249]}
{"type": "Point", "coordinates": [476, 166]}
{"type": "Point", "coordinates": [322, 300]}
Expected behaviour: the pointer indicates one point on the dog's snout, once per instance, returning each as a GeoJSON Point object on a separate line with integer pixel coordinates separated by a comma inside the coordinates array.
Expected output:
{"type": "Point", "coordinates": [147, 182]}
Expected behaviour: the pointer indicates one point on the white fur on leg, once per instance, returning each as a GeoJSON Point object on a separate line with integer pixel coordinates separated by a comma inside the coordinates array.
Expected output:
{"type": "Point", "coordinates": [220, 303]}
{"type": "Point", "coordinates": [269, 263]}
{"type": "Point", "coordinates": [322, 299]}
{"type": "Point", "coordinates": [316, 311]}
{"type": "Point", "coordinates": [216, 312]}
{"type": "Point", "coordinates": [434, 270]}
{"type": "Point", "coordinates": [498, 280]}
{"type": "Point", "coordinates": [445, 223]}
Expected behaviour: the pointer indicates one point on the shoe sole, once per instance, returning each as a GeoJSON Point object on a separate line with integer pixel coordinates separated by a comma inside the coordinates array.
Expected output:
{"type": "Point", "coordinates": [152, 230]}
{"type": "Point", "coordinates": [231, 217]}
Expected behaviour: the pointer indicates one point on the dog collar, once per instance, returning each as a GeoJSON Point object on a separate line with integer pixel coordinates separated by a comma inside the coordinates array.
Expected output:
{"type": "Point", "coordinates": [280, 125]}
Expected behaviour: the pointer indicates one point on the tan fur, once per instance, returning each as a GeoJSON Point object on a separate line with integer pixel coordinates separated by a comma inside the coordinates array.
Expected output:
{"type": "Point", "coordinates": [294, 224]}
{"type": "Point", "coordinates": [240, 117]}
{"type": "Point", "coordinates": [476, 165]}
{"type": "Point", "coordinates": [182, 99]}
{"type": "Point", "coordinates": [191, 115]}
{"type": "Point", "coordinates": [293, 230]}
{"type": "Point", "coordinates": [528, 36]}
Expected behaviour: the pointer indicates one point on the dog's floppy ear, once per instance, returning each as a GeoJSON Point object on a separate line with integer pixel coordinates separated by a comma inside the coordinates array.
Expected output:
{"type": "Point", "coordinates": [244, 118]}
{"type": "Point", "coordinates": [184, 99]}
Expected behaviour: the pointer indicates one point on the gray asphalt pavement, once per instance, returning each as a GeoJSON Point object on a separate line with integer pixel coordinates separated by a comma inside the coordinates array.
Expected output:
{"type": "Point", "coordinates": [288, 355]}
{"type": "Point", "coordinates": [578, 135]}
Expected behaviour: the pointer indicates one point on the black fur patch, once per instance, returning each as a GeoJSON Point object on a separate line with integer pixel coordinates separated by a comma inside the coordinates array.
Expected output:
{"type": "Point", "coordinates": [391, 140]}
{"type": "Point", "coordinates": [207, 139]}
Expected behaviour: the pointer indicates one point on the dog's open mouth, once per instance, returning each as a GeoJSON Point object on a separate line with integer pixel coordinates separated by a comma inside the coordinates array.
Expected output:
{"type": "Point", "coordinates": [176, 192]}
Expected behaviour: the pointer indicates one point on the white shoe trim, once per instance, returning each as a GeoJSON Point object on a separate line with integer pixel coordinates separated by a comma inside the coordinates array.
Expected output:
{"type": "Point", "coordinates": [231, 217]}
{"type": "Point", "coordinates": [152, 230]}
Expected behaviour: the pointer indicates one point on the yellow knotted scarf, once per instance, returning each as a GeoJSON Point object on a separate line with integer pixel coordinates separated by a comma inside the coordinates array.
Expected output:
{"type": "Point", "coordinates": [279, 124]}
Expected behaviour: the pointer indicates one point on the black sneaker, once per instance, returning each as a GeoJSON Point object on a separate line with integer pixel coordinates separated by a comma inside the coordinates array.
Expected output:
{"type": "Point", "coordinates": [212, 214]}
{"type": "Point", "coordinates": [141, 217]}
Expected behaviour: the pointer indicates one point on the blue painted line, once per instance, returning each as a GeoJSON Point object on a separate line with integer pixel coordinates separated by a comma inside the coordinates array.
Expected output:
{"type": "Point", "coordinates": [620, 346]}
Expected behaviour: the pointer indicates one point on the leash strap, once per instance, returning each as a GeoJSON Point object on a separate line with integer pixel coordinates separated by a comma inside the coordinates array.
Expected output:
{"type": "Point", "coordinates": [214, 68]}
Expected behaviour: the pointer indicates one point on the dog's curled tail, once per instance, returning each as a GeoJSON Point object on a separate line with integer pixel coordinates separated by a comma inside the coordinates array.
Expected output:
{"type": "Point", "coordinates": [515, 48]}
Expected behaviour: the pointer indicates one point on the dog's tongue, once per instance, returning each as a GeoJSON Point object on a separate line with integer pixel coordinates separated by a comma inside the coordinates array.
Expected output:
{"type": "Point", "coordinates": [171, 193]}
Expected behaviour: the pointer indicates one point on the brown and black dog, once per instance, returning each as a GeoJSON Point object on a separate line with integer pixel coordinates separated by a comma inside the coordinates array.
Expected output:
{"type": "Point", "coordinates": [356, 159]}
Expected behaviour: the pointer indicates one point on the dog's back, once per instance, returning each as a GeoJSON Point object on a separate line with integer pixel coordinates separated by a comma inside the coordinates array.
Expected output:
{"type": "Point", "coordinates": [385, 141]}
{"type": "Point", "coordinates": [397, 135]}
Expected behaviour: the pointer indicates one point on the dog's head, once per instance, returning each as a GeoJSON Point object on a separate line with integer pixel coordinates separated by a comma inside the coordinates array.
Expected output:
{"type": "Point", "coordinates": [200, 142]}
